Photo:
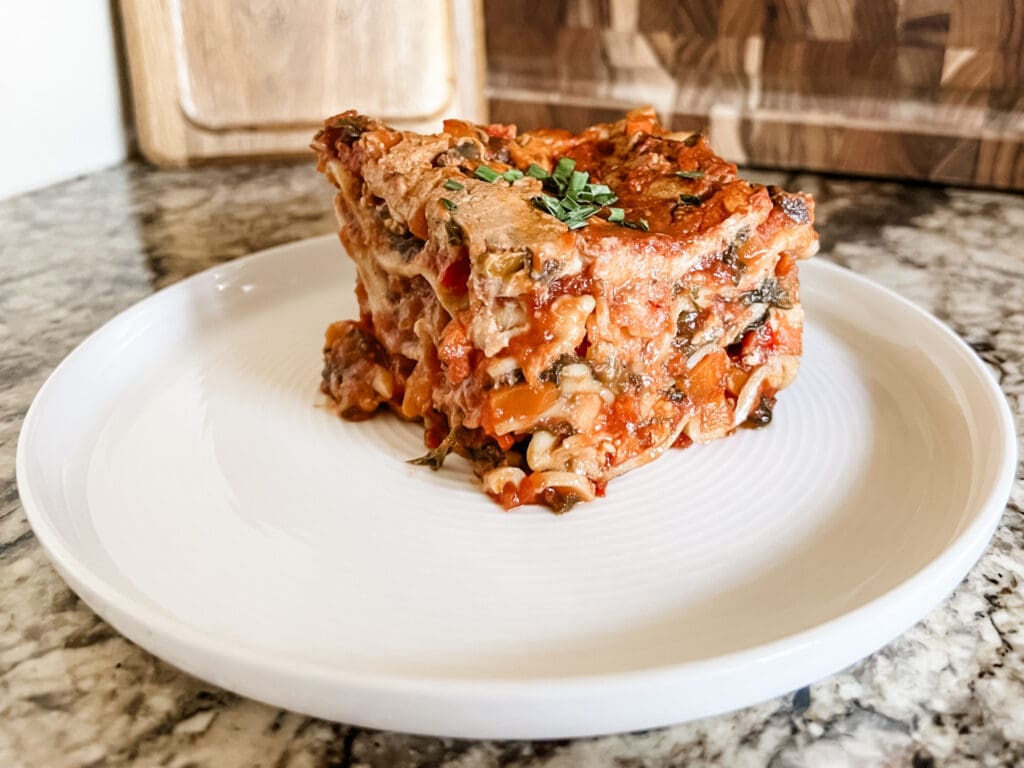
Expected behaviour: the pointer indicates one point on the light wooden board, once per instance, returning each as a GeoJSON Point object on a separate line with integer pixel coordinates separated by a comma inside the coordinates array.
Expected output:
{"type": "Point", "coordinates": [243, 78]}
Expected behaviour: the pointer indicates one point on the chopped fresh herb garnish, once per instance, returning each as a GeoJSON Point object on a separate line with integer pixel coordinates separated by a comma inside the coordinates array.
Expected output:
{"type": "Point", "coordinates": [454, 186]}
{"type": "Point", "coordinates": [577, 181]}
{"type": "Point", "coordinates": [537, 172]}
{"type": "Point", "coordinates": [572, 199]}
{"type": "Point", "coordinates": [690, 199]}
{"type": "Point", "coordinates": [562, 173]}
{"type": "Point", "coordinates": [487, 173]}
{"type": "Point", "coordinates": [490, 175]}
{"type": "Point", "coordinates": [690, 174]}
{"type": "Point", "coordinates": [551, 205]}
{"type": "Point", "coordinates": [448, 204]}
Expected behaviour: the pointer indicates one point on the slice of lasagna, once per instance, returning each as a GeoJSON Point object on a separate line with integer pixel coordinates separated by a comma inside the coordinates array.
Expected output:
{"type": "Point", "coordinates": [560, 308]}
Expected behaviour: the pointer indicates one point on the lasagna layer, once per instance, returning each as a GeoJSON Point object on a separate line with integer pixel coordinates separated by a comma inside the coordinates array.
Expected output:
{"type": "Point", "coordinates": [560, 308]}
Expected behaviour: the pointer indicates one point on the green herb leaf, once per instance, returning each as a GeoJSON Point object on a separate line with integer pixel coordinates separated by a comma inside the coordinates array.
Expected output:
{"type": "Point", "coordinates": [690, 174]}
{"type": "Point", "coordinates": [597, 193]}
{"type": "Point", "coordinates": [577, 181]}
{"type": "Point", "coordinates": [690, 199]}
{"type": "Point", "coordinates": [512, 175]}
{"type": "Point", "coordinates": [448, 204]}
{"type": "Point", "coordinates": [537, 172]}
{"type": "Point", "coordinates": [562, 172]}
{"type": "Point", "coordinates": [454, 186]}
{"type": "Point", "coordinates": [572, 199]}
{"type": "Point", "coordinates": [487, 173]}
{"type": "Point", "coordinates": [549, 204]}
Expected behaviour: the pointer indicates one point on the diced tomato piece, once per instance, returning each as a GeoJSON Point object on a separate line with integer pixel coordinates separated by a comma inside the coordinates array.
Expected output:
{"type": "Point", "coordinates": [683, 441]}
{"type": "Point", "coordinates": [455, 278]}
{"type": "Point", "coordinates": [751, 341]}
{"type": "Point", "coordinates": [513, 495]}
{"type": "Point", "coordinates": [787, 339]}
{"type": "Point", "coordinates": [783, 339]}
{"type": "Point", "coordinates": [435, 435]}
{"type": "Point", "coordinates": [454, 351]}
{"type": "Point", "coordinates": [500, 131]}
{"type": "Point", "coordinates": [509, 496]}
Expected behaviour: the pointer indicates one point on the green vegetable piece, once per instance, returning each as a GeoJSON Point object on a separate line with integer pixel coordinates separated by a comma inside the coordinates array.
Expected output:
{"type": "Point", "coordinates": [690, 174]}
{"type": "Point", "coordinates": [616, 215]}
{"type": "Point", "coordinates": [454, 186]}
{"type": "Point", "coordinates": [448, 204]}
{"type": "Point", "coordinates": [537, 172]}
{"type": "Point", "coordinates": [577, 181]}
{"type": "Point", "coordinates": [487, 173]}
{"type": "Point", "coordinates": [562, 172]}
{"type": "Point", "coordinates": [549, 204]}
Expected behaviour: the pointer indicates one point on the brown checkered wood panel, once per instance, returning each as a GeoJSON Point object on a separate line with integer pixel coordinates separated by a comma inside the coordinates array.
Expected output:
{"type": "Point", "coordinates": [928, 89]}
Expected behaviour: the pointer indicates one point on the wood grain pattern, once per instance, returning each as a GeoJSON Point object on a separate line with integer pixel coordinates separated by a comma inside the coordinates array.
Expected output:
{"type": "Point", "coordinates": [926, 89]}
{"type": "Point", "coordinates": [243, 78]}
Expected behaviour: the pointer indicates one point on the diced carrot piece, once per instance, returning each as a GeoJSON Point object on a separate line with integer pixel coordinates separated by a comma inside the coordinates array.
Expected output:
{"type": "Point", "coordinates": [706, 381]}
{"type": "Point", "coordinates": [706, 388]}
{"type": "Point", "coordinates": [418, 223]}
{"type": "Point", "coordinates": [460, 129]}
{"type": "Point", "coordinates": [523, 403]}
{"type": "Point", "coordinates": [785, 266]}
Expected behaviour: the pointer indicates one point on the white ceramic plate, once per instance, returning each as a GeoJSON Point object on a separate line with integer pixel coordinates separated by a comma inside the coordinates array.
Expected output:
{"type": "Point", "coordinates": [184, 483]}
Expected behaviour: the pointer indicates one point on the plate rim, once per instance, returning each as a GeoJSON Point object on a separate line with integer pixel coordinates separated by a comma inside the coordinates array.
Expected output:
{"type": "Point", "coordinates": [174, 640]}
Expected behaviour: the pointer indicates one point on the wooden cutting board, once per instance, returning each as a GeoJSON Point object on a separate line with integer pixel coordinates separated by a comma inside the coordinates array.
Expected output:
{"type": "Point", "coordinates": [243, 78]}
{"type": "Point", "coordinates": [923, 89]}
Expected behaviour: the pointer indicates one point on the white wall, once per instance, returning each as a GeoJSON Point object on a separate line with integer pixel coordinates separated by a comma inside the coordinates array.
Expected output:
{"type": "Point", "coordinates": [60, 109]}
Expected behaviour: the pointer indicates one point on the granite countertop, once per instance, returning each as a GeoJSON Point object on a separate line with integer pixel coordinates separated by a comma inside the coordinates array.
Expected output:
{"type": "Point", "coordinates": [73, 692]}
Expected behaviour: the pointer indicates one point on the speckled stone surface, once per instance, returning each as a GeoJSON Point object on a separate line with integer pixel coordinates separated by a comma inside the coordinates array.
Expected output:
{"type": "Point", "coordinates": [949, 692]}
